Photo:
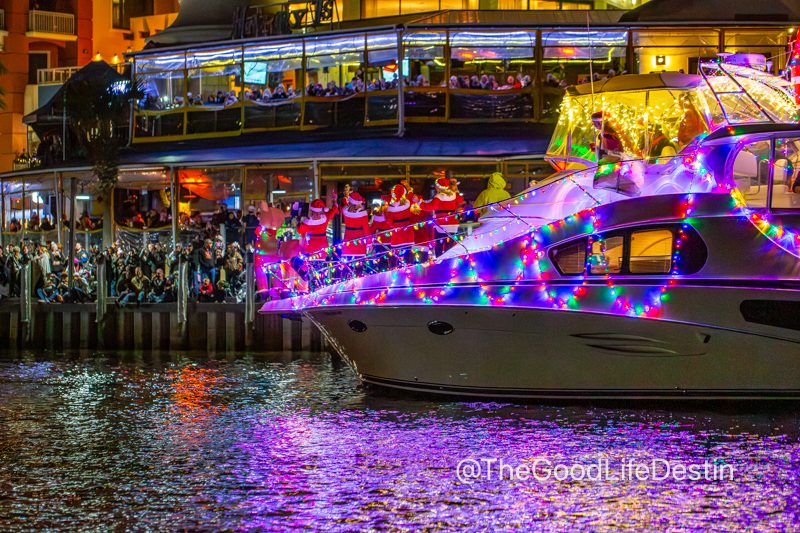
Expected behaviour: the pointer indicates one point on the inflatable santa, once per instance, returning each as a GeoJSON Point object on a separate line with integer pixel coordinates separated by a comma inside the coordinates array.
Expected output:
{"type": "Point", "coordinates": [356, 226]}
{"type": "Point", "coordinates": [313, 229]}
{"type": "Point", "coordinates": [398, 215]}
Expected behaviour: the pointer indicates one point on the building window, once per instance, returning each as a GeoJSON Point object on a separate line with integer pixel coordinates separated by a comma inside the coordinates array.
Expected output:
{"type": "Point", "coordinates": [568, 54]}
{"type": "Point", "coordinates": [769, 43]}
{"type": "Point", "coordinates": [123, 10]}
{"type": "Point", "coordinates": [673, 51]}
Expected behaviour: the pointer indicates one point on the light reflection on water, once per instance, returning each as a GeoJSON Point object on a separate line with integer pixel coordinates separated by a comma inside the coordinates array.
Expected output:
{"type": "Point", "coordinates": [255, 442]}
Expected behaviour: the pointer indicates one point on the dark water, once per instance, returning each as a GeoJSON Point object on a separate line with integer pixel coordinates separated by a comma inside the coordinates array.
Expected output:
{"type": "Point", "coordinates": [98, 442]}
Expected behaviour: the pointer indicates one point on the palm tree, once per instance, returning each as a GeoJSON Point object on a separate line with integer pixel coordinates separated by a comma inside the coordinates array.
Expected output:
{"type": "Point", "coordinates": [98, 111]}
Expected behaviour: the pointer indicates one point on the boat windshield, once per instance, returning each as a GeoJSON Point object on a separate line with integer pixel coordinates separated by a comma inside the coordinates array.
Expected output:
{"type": "Point", "coordinates": [661, 114]}
{"type": "Point", "coordinates": [571, 191]}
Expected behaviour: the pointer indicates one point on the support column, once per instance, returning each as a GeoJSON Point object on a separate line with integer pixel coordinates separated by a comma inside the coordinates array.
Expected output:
{"type": "Point", "coordinates": [73, 185]}
{"type": "Point", "coordinates": [401, 111]}
{"type": "Point", "coordinates": [2, 211]}
{"type": "Point", "coordinates": [173, 204]}
{"type": "Point", "coordinates": [59, 207]}
{"type": "Point", "coordinates": [250, 293]}
{"type": "Point", "coordinates": [102, 288]}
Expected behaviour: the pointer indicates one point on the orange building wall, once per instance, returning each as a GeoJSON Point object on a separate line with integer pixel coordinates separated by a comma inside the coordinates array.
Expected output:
{"type": "Point", "coordinates": [94, 35]}
{"type": "Point", "coordinates": [15, 59]}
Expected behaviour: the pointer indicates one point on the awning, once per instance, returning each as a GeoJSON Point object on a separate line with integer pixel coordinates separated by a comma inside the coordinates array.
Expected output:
{"type": "Point", "coordinates": [52, 112]}
{"type": "Point", "coordinates": [374, 149]}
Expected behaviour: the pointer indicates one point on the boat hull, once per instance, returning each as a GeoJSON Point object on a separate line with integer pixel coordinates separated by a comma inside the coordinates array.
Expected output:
{"type": "Point", "coordinates": [513, 352]}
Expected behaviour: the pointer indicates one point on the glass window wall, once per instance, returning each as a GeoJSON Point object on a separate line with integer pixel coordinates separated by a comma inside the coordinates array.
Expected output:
{"type": "Point", "coordinates": [673, 51]}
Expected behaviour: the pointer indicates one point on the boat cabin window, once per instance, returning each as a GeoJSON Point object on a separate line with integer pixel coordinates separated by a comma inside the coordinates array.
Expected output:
{"type": "Point", "coordinates": [651, 251]}
{"type": "Point", "coordinates": [607, 255]}
{"type": "Point", "coordinates": [751, 172]}
{"type": "Point", "coordinates": [570, 259]}
{"type": "Point", "coordinates": [633, 251]}
{"type": "Point", "coordinates": [786, 175]}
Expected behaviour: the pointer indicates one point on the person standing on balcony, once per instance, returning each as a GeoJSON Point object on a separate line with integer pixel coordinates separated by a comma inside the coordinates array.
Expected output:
{"type": "Point", "coordinates": [313, 229]}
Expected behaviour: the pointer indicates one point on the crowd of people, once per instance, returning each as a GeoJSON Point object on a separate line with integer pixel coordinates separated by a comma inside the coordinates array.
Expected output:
{"type": "Point", "coordinates": [215, 272]}
{"type": "Point", "coordinates": [488, 82]}
{"type": "Point", "coordinates": [359, 83]}
{"type": "Point", "coordinates": [35, 223]}
{"type": "Point", "coordinates": [214, 246]}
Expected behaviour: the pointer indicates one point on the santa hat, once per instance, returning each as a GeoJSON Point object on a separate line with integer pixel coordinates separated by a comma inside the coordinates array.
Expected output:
{"type": "Point", "coordinates": [318, 206]}
{"type": "Point", "coordinates": [355, 198]}
{"type": "Point", "coordinates": [399, 192]}
{"type": "Point", "coordinates": [442, 183]}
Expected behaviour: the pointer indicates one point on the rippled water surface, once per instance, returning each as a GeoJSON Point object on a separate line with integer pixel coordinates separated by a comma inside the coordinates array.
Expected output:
{"type": "Point", "coordinates": [130, 441]}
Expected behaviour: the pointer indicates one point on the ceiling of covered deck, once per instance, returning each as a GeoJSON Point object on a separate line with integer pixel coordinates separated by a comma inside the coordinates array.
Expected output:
{"type": "Point", "coordinates": [45, 181]}
{"type": "Point", "coordinates": [375, 149]}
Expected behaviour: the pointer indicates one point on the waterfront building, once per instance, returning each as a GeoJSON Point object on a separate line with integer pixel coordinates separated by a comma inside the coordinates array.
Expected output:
{"type": "Point", "coordinates": [43, 42]}
{"type": "Point", "coordinates": [244, 104]}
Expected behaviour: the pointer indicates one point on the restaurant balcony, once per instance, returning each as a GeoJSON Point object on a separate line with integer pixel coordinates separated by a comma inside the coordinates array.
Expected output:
{"type": "Point", "coordinates": [51, 25]}
{"type": "Point", "coordinates": [426, 79]}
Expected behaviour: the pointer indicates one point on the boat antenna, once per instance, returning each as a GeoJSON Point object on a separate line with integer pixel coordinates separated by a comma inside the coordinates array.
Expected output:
{"type": "Point", "coordinates": [591, 85]}
{"type": "Point", "coordinates": [591, 57]}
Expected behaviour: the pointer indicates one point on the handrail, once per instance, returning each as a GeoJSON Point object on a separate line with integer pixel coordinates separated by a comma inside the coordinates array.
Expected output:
{"type": "Point", "coordinates": [51, 22]}
{"type": "Point", "coordinates": [54, 76]}
{"type": "Point", "coordinates": [303, 100]}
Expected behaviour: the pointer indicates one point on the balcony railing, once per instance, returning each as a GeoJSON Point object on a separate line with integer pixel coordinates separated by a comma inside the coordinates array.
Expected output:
{"type": "Point", "coordinates": [54, 76]}
{"type": "Point", "coordinates": [51, 22]}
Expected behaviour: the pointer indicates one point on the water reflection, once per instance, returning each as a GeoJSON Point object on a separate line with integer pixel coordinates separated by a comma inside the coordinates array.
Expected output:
{"type": "Point", "coordinates": [253, 442]}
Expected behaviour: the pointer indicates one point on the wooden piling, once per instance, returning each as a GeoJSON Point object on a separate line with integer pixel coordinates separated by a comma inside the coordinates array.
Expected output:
{"type": "Point", "coordinates": [210, 328]}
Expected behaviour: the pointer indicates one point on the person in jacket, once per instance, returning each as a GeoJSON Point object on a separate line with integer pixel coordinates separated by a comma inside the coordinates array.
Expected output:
{"type": "Point", "coordinates": [158, 283]}
{"type": "Point", "coordinates": [495, 191]}
{"type": "Point", "coordinates": [251, 224]}
{"type": "Point", "coordinates": [206, 291]}
{"type": "Point", "coordinates": [207, 260]}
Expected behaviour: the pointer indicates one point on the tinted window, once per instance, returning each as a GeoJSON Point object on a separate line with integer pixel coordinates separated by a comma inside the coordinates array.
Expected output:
{"type": "Point", "coordinates": [786, 175]}
{"type": "Point", "coordinates": [781, 314]}
{"type": "Point", "coordinates": [651, 252]}
{"type": "Point", "coordinates": [570, 259]}
{"type": "Point", "coordinates": [607, 255]}
{"type": "Point", "coordinates": [751, 172]}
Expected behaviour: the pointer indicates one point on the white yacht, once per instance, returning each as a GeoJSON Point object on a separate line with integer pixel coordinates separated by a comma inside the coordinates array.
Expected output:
{"type": "Point", "coordinates": [661, 260]}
